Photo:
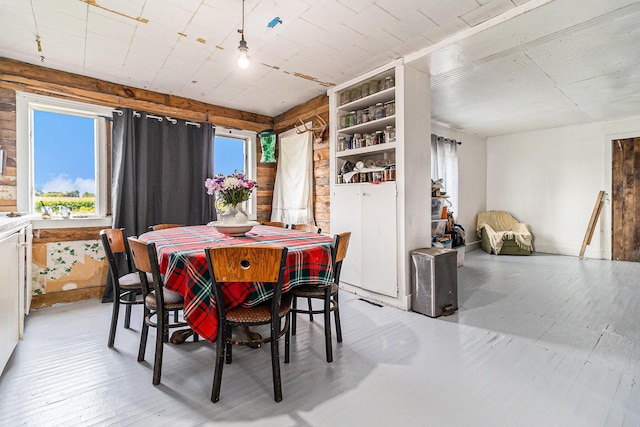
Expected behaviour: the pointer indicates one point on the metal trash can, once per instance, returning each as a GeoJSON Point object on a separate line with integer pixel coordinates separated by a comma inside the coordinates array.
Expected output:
{"type": "Point", "coordinates": [434, 281]}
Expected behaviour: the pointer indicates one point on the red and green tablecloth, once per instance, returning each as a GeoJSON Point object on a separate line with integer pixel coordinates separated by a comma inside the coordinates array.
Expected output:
{"type": "Point", "coordinates": [183, 262]}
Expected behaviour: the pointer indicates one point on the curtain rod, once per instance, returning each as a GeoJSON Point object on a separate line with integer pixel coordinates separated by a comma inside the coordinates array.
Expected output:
{"type": "Point", "coordinates": [159, 118]}
{"type": "Point", "coordinates": [449, 140]}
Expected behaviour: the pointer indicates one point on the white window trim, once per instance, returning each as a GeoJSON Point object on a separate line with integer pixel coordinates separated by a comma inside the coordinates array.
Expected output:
{"type": "Point", "coordinates": [25, 104]}
{"type": "Point", "coordinates": [250, 162]}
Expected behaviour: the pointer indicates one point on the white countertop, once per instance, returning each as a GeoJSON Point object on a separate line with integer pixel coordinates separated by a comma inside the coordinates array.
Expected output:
{"type": "Point", "coordinates": [9, 225]}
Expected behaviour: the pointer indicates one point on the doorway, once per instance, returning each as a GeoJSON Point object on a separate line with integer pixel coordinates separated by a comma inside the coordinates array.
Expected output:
{"type": "Point", "coordinates": [625, 204]}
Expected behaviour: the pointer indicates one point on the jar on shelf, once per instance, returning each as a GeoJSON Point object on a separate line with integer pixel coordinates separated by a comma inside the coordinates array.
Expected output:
{"type": "Point", "coordinates": [379, 139]}
{"type": "Point", "coordinates": [345, 97]}
{"type": "Point", "coordinates": [352, 121]}
{"type": "Point", "coordinates": [365, 115]}
{"type": "Point", "coordinates": [359, 117]}
{"type": "Point", "coordinates": [368, 142]}
{"type": "Point", "coordinates": [342, 143]}
{"type": "Point", "coordinates": [374, 86]}
{"type": "Point", "coordinates": [364, 89]}
{"type": "Point", "coordinates": [390, 134]}
{"type": "Point", "coordinates": [357, 140]}
{"type": "Point", "coordinates": [390, 108]}
{"type": "Point", "coordinates": [379, 111]}
{"type": "Point", "coordinates": [388, 83]}
{"type": "Point", "coordinates": [356, 94]}
{"type": "Point", "coordinates": [344, 121]}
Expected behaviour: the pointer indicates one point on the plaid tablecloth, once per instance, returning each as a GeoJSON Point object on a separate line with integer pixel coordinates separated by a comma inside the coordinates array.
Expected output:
{"type": "Point", "coordinates": [183, 262]}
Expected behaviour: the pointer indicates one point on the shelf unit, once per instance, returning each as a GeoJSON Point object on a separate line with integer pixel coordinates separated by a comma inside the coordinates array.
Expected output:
{"type": "Point", "coordinates": [387, 220]}
{"type": "Point", "coordinates": [380, 151]}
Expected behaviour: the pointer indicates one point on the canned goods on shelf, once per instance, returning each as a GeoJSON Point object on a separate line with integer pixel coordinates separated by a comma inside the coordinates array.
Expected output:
{"type": "Point", "coordinates": [374, 86]}
{"type": "Point", "coordinates": [390, 108]}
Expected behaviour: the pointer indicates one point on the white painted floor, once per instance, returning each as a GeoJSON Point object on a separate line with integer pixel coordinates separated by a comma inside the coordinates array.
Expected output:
{"type": "Point", "coordinates": [538, 341]}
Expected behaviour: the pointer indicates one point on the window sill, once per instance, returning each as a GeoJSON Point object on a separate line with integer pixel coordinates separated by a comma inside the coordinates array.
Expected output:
{"type": "Point", "coordinates": [43, 224]}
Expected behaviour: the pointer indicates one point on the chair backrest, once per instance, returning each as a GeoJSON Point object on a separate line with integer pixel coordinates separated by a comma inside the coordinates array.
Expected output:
{"type": "Point", "coordinates": [247, 264]}
{"type": "Point", "coordinates": [145, 258]}
{"type": "Point", "coordinates": [340, 246]}
{"type": "Point", "coordinates": [114, 245]}
{"type": "Point", "coordinates": [163, 226]}
{"type": "Point", "coordinates": [306, 227]}
{"type": "Point", "coordinates": [274, 224]}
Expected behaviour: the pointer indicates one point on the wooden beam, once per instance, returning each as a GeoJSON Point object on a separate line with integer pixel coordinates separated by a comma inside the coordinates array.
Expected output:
{"type": "Point", "coordinates": [592, 223]}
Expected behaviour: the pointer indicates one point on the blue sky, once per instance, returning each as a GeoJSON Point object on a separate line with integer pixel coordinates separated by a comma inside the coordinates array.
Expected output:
{"type": "Point", "coordinates": [228, 155]}
{"type": "Point", "coordinates": [64, 153]}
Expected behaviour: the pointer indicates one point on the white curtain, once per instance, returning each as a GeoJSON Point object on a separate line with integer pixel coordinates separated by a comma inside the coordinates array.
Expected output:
{"type": "Point", "coordinates": [444, 164]}
{"type": "Point", "coordinates": [293, 189]}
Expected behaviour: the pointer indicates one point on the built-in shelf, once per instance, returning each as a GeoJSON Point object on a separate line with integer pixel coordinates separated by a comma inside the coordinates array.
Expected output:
{"type": "Point", "coordinates": [367, 101]}
{"type": "Point", "coordinates": [372, 149]}
{"type": "Point", "coordinates": [373, 125]}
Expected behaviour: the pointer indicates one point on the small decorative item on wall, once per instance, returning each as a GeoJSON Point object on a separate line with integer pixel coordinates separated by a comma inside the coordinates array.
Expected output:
{"type": "Point", "coordinates": [268, 144]}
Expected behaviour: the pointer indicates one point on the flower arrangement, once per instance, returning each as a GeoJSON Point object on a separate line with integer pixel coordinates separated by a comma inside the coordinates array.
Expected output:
{"type": "Point", "coordinates": [233, 189]}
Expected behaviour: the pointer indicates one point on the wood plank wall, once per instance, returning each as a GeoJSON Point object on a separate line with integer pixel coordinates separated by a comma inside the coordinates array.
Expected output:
{"type": "Point", "coordinates": [20, 76]}
{"type": "Point", "coordinates": [306, 112]}
{"type": "Point", "coordinates": [8, 201]}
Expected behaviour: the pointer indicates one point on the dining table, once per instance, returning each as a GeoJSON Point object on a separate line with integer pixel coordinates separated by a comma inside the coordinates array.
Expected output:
{"type": "Point", "coordinates": [182, 261]}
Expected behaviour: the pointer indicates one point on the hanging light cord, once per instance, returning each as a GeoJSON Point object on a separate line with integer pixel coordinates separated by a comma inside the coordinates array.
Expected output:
{"type": "Point", "coordinates": [243, 19]}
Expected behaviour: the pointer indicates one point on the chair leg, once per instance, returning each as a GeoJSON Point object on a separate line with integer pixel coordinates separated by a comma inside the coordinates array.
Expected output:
{"type": "Point", "coordinates": [165, 330]}
{"type": "Point", "coordinates": [228, 345]}
{"type": "Point", "coordinates": [327, 326]}
{"type": "Point", "coordinates": [114, 320]}
{"type": "Point", "coordinates": [336, 314]}
{"type": "Point", "coordinates": [161, 331]}
{"type": "Point", "coordinates": [221, 344]}
{"type": "Point", "coordinates": [287, 339]}
{"type": "Point", "coordinates": [127, 315]}
{"type": "Point", "coordinates": [310, 310]}
{"type": "Point", "coordinates": [275, 367]}
{"type": "Point", "coordinates": [175, 316]}
{"type": "Point", "coordinates": [143, 335]}
{"type": "Point", "coordinates": [294, 307]}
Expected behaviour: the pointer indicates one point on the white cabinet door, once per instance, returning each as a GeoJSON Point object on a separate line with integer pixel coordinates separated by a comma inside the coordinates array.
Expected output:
{"type": "Point", "coordinates": [369, 212]}
{"type": "Point", "coordinates": [379, 260]}
{"type": "Point", "coordinates": [346, 216]}
{"type": "Point", "coordinates": [9, 297]}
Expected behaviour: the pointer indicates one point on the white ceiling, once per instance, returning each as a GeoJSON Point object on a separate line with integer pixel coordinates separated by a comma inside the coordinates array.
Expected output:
{"type": "Point", "coordinates": [498, 66]}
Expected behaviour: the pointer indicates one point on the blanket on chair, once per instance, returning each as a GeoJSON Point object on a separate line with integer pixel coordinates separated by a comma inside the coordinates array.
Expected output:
{"type": "Point", "coordinates": [500, 225]}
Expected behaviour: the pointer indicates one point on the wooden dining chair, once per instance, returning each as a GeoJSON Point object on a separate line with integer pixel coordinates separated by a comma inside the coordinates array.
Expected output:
{"type": "Point", "coordinates": [163, 226]}
{"type": "Point", "coordinates": [250, 264]}
{"type": "Point", "coordinates": [126, 281]}
{"type": "Point", "coordinates": [158, 302]}
{"type": "Point", "coordinates": [310, 229]}
{"type": "Point", "coordinates": [306, 227]}
{"type": "Point", "coordinates": [274, 224]}
{"type": "Point", "coordinates": [329, 295]}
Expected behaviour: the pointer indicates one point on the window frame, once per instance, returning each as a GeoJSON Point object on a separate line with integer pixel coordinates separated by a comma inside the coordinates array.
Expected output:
{"type": "Point", "coordinates": [250, 161]}
{"type": "Point", "coordinates": [26, 103]}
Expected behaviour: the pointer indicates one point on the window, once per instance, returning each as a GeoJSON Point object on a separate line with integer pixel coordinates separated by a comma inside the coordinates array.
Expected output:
{"type": "Point", "coordinates": [61, 155]}
{"type": "Point", "coordinates": [234, 150]}
{"type": "Point", "coordinates": [444, 165]}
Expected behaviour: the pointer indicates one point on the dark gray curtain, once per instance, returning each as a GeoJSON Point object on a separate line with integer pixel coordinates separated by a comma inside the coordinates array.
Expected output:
{"type": "Point", "coordinates": [158, 173]}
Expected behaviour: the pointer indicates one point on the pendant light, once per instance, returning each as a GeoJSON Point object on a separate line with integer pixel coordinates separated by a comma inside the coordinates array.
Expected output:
{"type": "Point", "coordinates": [243, 60]}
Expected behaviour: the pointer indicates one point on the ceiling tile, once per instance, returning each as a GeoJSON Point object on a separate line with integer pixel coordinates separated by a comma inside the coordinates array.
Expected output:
{"type": "Point", "coordinates": [487, 11]}
{"type": "Point", "coordinates": [370, 20]}
{"type": "Point", "coordinates": [443, 13]}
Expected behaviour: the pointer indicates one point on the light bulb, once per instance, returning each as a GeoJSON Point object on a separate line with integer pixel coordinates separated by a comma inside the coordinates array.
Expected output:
{"type": "Point", "coordinates": [243, 60]}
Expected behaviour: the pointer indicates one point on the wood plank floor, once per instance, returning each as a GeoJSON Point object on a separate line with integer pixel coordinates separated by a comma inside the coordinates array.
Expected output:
{"type": "Point", "coordinates": [538, 341]}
